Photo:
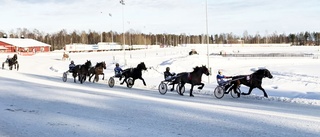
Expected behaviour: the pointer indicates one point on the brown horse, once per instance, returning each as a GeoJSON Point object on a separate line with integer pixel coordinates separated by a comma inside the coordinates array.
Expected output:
{"type": "Point", "coordinates": [193, 78]}
{"type": "Point", "coordinates": [65, 56]}
{"type": "Point", "coordinates": [97, 70]}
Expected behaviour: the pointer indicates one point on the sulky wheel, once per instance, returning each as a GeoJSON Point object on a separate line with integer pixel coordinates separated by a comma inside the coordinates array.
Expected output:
{"type": "Point", "coordinates": [219, 92]}
{"type": "Point", "coordinates": [111, 82]}
{"type": "Point", "coordinates": [183, 89]}
{"type": "Point", "coordinates": [64, 77]}
{"type": "Point", "coordinates": [235, 94]}
{"type": "Point", "coordinates": [163, 88]}
{"type": "Point", "coordinates": [130, 82]}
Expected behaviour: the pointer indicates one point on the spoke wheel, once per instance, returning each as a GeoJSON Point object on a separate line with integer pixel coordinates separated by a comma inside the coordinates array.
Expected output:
{"type": "Point", "coordinates": [130, 82]}
{"type": "Point", "coordinates": [64, 77]}
{"type": "Point", "coordinates": [111, 82]}
{"type": "Point", "coordinates": [219, 92]}
{"type": "Point", "coordinates": [235, 94]}
{"type": "Point", "coordinates": [183, 89]}
{"type": "Point", "coordinates": [163, 88]}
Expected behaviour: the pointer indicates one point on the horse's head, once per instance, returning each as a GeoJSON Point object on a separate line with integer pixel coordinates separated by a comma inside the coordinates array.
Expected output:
{"type": "Point", "coordinates": [104, 65]}
{"type": "Point", "coordinates": [205, 70]}
{"type": "Point", "coordinates": [267, 73]}
{"type": "Point", "coordinates": [101, 64]}
{"type": "Point", "coordinates": [202, 70]}
{"type": "Point", "coordinates": [263, 73]}
{"type": "Point", "coordinates": [15, 57]}
{"type": "Point", "coordinates": [88, 64]}
{"type": "Point", "coordinates": [142, 66]}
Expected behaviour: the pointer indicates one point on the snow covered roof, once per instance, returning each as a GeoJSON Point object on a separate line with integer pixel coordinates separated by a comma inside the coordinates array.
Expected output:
{"type": "Point", "coordinates": [24, 42]}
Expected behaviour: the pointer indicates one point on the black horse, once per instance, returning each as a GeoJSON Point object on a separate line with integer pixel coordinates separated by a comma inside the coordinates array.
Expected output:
{"type": "Point", "coordinates": [193, 78]}
{"type": "Point", "coordinates": [12, 62]}
{"type": "Point", "coordinates": [253, 80]}
{"type": "Point", "coordinates": [134, 73]}
{"type": "Point", "coordinates": [81, 71]}
{"type": "Point", "coordinates": [96, 71]}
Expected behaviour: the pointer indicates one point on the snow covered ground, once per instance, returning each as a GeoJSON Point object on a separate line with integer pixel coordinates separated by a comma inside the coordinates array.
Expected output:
{"type": "Point", "coordinates": [35, 102]}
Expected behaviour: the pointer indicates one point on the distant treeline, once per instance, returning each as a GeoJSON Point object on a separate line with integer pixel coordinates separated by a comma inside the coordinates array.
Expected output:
{"type": "Point", "coordinates": [59, 39]}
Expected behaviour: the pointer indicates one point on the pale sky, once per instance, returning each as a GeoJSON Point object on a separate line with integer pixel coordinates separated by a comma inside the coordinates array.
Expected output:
{"type": "Point", "coordinates": [162, 16]}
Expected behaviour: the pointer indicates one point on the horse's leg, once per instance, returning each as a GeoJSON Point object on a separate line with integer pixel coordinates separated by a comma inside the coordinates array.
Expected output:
{"type": "Point", "coordinates": [201, 86]}
{"type": "Point", "coordinates": [264, 92]}
{"type": "Point", "coordinates": [191, 89]}
{"type": "Point", "coordinates": [173, 83]}
{"type": "Point", "coordinates": [234, 87]}
{"type": "Point", "coordinates": [172, 86]}
{"type": "Point", "coordinates": [144, 83]}
{"type": "Point", "coordinates": [124, 80]}
{"type": "Point", "coordinates": [90, 76]}
{"type": "Point", "coordinates": [249, 92]}
{"type": "Point", "coordinates": [96, 77]}
{"type": "Point", "coordinates": [181, 85]}
{"type": "Point", "coordinates": [74, 76]}
{"type": "Point", "coordinates": [102, 76]}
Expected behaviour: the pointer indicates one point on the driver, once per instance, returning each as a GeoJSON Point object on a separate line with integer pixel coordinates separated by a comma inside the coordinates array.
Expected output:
{"type": "Point", "coordinates": [118, 71]}
{"type": "Point", "coordinates": [71, 66]}
{"type": "Point", "coordinates": [221, 78]}
{"type": "Point", "coordinates": [168, 76]}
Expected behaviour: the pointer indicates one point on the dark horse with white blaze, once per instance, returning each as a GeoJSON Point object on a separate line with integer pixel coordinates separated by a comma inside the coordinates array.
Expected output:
{"type": "Point", "coordinates": [81, 71]}
{"type": "Point", "coordinates": [96, 71]}
{"type": "Point", "coordinates": [193, 78]}
{"type": "Point", "coordinates": [253, 80]}
{"type": "Point", "coordinates": [12, 62]}
{"type": "Point", "coordinates": [134, 73]}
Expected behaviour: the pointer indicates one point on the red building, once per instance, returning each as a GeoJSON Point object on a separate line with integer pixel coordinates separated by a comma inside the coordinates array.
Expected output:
{"type": "Point", "coordinates": [23, 45]}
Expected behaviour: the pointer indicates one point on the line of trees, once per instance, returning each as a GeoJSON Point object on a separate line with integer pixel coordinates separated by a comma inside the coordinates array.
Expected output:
{"type": "Point", "coordinates": [59, 39]}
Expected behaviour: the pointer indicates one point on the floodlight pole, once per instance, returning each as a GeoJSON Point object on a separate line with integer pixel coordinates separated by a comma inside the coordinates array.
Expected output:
{"type": "Point", "coordinates": [207, 39]}
{"type": "Point", "coordinates": [111, 27]}
{"type": "Point", "coordinates": [124, 40]}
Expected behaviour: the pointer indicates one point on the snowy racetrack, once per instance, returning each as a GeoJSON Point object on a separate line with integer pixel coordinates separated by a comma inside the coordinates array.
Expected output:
{"type": "Point", "coordinates": [35, 101]}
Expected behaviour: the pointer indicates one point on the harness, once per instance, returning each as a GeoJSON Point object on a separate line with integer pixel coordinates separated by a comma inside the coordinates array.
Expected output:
{"type": "Point", "coordinates": [189, 76]}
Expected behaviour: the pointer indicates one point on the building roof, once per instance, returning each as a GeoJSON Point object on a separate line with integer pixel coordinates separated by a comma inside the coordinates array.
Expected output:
{"type": "Point", "coordinates": [24, 42]}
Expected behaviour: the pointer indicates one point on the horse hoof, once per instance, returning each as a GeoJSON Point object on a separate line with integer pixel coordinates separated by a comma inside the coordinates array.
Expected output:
{"type": "Point", "coordinates": [172, 89]}
{"type": "Point", "coordinates": [121, 83]}
{"type": "Point", "coordinates": [181, 94]}
{"type": "Point", "coordinates": [191, 95]}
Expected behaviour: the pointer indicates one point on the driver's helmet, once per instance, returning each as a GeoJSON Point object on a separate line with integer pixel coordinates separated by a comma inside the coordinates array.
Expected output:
{"type": "Point", "coordinates": [72, 62]}
{"type": "Point", "coordinates": [167, 68]}
{"type": "Point", "coordinates": [8, 56]}
{"type": "Point", "coordinates": [117, 64]}
{"type": "Point", "coordinates": [219, 71]}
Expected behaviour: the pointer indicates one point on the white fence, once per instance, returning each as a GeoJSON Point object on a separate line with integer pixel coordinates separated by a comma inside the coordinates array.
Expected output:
{"type": "Point", "coordinates": [105, 47]}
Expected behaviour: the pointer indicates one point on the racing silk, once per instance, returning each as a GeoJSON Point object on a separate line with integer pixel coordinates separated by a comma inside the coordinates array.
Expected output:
{"type": "Point", "coordinates": [117, 70]}
{"type": "Point", "coordinates": [220, 79]}
{"type": "Point", "coordinates": [168, 76]}
{"type": "Point", "coordinates": [71, 67]}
